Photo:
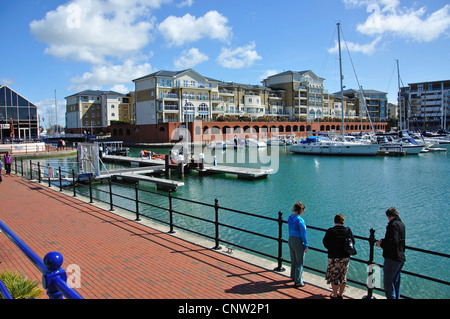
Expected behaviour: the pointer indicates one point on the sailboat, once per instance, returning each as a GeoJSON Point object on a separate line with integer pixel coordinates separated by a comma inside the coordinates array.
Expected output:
{"type": "Point", "coordinates": [323, 145]}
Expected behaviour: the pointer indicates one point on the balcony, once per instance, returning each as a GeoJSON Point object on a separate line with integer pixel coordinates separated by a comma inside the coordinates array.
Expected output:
{"type": "Point", "coordinates": [226, 92]}
{"type": "Point", "coordinates": [169, 96]}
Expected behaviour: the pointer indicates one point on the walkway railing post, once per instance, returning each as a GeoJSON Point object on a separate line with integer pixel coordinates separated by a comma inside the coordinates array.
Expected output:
{"type": "Point", "coordinates": [60, 178]}
{"type": "Point", "coordinates": [21, 166]}
{"type": "Point", "coordinates": [90, 189]}
{"type": "Point", "coordinates": [53, 262]}
{"type": "Point", "coordinates": [48, 175]}
{"type": "Point", "coordinates": [216, 223]}
{"type": "Point", "coordinates": [39, 172]}
{"type": "Point", "coordinates": [280, 243]}
{"type": "Point", "coordinates": [136, 191]}
{"type": "Point", "coordinates": [74, 185]}
{"type": "Point", "coordinates": [111, 208]}
{"type": "Point", "coordinates": [31, 170]}
{"type": "Point", "coordinates": [171, 231]}
{"type": "Point", "coordinates": [369, 283]}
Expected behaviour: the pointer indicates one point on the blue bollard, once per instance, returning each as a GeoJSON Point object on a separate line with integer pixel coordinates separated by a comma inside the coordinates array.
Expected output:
{"type": "Point", "coordinates": [53, 261]}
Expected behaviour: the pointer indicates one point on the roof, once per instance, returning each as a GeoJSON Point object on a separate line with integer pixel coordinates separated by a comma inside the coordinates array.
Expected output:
{"type": "Point", "coordinates": [354, 92]}
{"type": "Point", "coordinates": [96, 93]}
{"type": "Point", "coordinates": [21, 96]}
{"type": "Point", "coordinates": [290, 72]}
{"type": "Point", "coordinates": [172, 74]}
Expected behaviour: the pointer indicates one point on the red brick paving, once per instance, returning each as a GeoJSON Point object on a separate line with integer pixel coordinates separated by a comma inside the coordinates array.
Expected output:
{"type": "Point", "coordinates": [123, 259]}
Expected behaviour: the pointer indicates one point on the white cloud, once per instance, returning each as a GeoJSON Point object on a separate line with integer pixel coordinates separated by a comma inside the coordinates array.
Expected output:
{"type": "Point", "coordinates": [110, 75]}
{"type": "Point", "coordinates": [6, 81]}
{"type": "Point", "coordinates": [190, 58]}
{"type": "Point", "coordinates": [367, 49]}
{"type": "Point", "coordinates": [185, 3]}
{"type": "Point", "coordinates": [238, 58]}
{"type": "Point", "coordinates": [180, 30]}
{"type": "Point", "coordinates": [388, 17]}
{"type": "Point", "coordinates": [47, 112]}
{"type": "Point", "coordinates": [91, 30]}
{"type": "Point", "coordinates": [268, 73]}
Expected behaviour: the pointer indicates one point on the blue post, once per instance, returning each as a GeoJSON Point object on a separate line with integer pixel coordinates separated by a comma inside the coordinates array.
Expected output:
{"type": "Point", "coordinates": [54, 278]}
{"type": "Point", "coordinates": [4, 291]}
{"type": "Point", "coordinates": [53, 261]}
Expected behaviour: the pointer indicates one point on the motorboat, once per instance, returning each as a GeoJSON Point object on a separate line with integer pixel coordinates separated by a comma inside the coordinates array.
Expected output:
{"type": "Point", "coordinates": [218, 145]}
{"type": "Point", "coordinates": [112, 148]}
{"type": "Point", "coordinates": [254, 143]}
{"type": "Point", "coordinates": [275, 141]}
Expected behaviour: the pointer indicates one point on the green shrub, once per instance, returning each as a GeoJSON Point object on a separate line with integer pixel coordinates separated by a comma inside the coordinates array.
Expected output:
{"type": "Point", "coordinates": [20, 287]}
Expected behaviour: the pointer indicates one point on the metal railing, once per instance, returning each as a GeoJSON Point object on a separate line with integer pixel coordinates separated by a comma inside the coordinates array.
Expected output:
{"type": "Point", "coordinates": [85, 188]}
{"type": "Point", "coordinates": [54, 278]}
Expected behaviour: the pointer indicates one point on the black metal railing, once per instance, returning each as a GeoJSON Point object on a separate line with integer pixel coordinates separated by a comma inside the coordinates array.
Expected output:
{"type": "Point", "coordinates": [72, 182]}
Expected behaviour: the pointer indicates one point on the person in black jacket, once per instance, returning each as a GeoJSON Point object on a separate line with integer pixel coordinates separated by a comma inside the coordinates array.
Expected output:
{"type": "Point", "coordinates": [393, 245]}
{"type": "Point", "coordinates": [338, 258]}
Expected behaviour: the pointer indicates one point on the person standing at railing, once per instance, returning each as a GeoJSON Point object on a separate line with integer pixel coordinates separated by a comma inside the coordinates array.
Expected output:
{"type": "Point", "coordinates": [393, 245]}
{"type": "Point", "coordinates": [298, 243]}
{"type": "Point", "coordinates": [8, 160]}
{"type": "Point", "coordinates": [338, 258]}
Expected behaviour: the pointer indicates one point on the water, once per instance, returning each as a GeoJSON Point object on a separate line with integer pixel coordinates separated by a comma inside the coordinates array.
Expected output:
{"type": "Point", "coordinates": [361, 188]}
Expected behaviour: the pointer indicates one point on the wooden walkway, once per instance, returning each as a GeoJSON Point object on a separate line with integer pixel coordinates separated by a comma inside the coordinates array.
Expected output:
{"type": "Point", "coordinates": [121, 258]}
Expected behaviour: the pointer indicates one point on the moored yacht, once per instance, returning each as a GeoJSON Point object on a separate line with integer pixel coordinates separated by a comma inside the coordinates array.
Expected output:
{"type": "Point", "coordinates": [322, 145]}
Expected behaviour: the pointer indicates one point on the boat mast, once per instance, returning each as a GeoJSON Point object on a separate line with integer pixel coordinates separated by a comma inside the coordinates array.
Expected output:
{"type": "Point", "coordinates": [399, 99]}
{"type": "Point", "coordinates": [342, 78]}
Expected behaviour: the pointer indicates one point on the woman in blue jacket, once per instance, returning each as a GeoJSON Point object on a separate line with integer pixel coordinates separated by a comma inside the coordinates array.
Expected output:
{"type": "Point", "coordinates": [298, 243]}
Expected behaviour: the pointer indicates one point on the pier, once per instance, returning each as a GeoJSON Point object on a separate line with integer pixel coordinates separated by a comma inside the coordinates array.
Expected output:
{"type": "Point", "coordinates": [241, 172]}
{"type": "Point", "coordinates": [205, 169]}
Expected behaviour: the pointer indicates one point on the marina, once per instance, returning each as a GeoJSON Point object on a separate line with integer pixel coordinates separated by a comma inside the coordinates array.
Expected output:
{"type": "Point", "coordinates": [359, 187]}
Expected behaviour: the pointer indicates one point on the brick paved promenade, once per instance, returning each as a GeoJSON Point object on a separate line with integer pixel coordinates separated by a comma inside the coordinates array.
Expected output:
{"type": "Point", "coordinates": [124, 259]}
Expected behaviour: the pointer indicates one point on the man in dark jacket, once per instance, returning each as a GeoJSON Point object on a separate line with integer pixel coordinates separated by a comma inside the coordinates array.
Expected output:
{"type": "Point", "coordinates": [393, 245]}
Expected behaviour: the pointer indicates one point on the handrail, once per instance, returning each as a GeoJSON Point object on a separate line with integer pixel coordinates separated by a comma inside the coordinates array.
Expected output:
{"type": "Point", "coordinates": [371, 239]}
{"type": "Point", "coordinates": [4, 291]}
{"type": "Point", "coordinates": [54, 278]}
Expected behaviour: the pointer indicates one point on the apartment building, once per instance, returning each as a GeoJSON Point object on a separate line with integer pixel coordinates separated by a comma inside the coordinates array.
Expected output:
{"type": "Point", "coordinates": [374, 103]}
{"type": "Point", "coordinates": [177, 96]}
{"type": "Point", "coordinates": [92, 111]}
{"type": "Point", "coordinates": [17, 114]}
{"type": "Point", "coordinates": [305, 97]}
{"type": "Point", "coordinates": [425, 105]}
{"type": "Point", "coordinates": [183, 96]}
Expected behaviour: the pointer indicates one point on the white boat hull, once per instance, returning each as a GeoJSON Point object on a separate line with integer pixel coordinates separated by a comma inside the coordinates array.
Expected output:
{"type": "Point", "coordinates": [332, 148]}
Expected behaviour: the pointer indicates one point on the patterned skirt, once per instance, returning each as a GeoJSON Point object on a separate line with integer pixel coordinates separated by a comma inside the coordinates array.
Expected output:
{"type": "Point", "coordinates": [337, 270]}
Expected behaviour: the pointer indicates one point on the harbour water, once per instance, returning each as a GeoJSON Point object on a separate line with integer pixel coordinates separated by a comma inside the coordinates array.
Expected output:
{"type": "Point", "coordinates": [361, 188]}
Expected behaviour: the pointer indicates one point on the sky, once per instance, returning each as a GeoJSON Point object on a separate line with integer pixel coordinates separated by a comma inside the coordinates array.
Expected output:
{"type": "Point", "coordinates": [66, 46]}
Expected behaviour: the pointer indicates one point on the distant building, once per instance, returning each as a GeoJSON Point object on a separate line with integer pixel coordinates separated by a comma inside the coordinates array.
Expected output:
{"type": "Point", "coordinates": [304, 94]}
{"type": "Point", "coordinates": [425, 105]}
{"type": "Point", "coordinates": [375, 103]}
{"type": "Point", "coordinates": [93, 111]}
{"type": "Point", "coordinates": [18, 111]}
{"type": "Point", "coordinates": [392, 111]}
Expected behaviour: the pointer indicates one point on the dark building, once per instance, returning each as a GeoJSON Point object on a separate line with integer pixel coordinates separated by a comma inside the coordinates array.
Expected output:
{"type": "Point", "coordinates": [17, 115]}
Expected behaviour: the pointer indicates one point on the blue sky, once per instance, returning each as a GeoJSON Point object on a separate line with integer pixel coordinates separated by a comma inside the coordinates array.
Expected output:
{"type": "Point", "coordinates": [69, 46]}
